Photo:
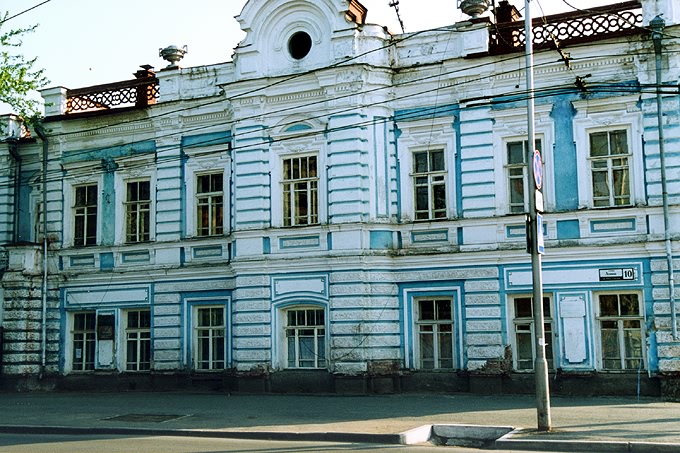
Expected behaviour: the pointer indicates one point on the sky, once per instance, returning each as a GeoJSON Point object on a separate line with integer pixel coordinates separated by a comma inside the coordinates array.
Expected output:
{"type": "Point", "coordinates": [81, 43]}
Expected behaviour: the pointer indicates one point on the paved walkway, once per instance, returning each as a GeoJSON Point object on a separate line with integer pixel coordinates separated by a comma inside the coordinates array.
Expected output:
{"type": "Point", "coordinates": [579, 424]}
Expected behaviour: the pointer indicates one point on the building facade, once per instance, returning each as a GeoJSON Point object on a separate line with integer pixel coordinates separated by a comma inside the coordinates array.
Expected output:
{"type": "Point", "coordinates": [343, 209]}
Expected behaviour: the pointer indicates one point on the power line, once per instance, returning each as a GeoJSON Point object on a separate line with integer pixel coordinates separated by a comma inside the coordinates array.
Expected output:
{"type": "Point", "coordinates": [24, 11]}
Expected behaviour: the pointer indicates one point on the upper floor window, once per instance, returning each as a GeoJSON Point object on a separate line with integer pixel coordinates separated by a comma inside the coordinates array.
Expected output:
{"type": "Point", "coordinates": [610, 168]}
{"type": "Point", "coordinates": [210, 204]}
{"type": "Point", "coordinates": [429, 184]}
{"type": "Point", "coordinates": [85, 215]}
{"type": "Point", "coordinates": [517, 173]}
{"type": "Point", "coordinates": [436, 341]}
{"type": "Point", "coordinates": [621, 323]}
{"type": "Point", "coordinates": [137, 211]}
{"type": "Point", "coordinates": [524, 352]}
{"type": "Point", "coordinates": [300, 191]}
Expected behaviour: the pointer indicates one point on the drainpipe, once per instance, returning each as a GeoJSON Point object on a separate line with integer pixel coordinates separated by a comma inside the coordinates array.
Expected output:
{"type": "Point", "coordinates": [41, 133]}
{"type": "Point", "coordinates": [17, 186]}
{"type": "Point", "coordinates": [657, 26]}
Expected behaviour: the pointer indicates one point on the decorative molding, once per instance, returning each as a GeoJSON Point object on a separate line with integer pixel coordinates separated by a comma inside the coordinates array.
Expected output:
{"type": "Point", "coordinates": [301, 286]}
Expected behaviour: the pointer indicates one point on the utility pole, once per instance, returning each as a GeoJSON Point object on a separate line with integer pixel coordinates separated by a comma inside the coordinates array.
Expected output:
{"type": "Point", "coordinates": [534, 231]}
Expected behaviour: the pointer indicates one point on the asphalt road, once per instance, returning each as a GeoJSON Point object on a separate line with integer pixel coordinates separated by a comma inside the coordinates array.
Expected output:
{"type": "Point", "coordinates": [19, 443]}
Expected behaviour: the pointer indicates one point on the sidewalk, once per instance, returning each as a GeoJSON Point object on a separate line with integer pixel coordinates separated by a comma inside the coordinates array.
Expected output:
{"type": "Point", "coordinates": [579, 424]}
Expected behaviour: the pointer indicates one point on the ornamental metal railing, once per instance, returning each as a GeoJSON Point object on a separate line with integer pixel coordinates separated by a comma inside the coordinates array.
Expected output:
{"type": "Point", "coordinates": [141, 92]}
{"type": "Point", "coordinates": [565, 29]}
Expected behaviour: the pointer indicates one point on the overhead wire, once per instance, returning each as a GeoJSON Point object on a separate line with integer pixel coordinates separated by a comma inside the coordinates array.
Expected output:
{"type": "Point", "coordinates": [492, 100]}
{"type": "Point", "coordinates": [23, 12]}
{"type": "Point", "coordinates": [185, 131]}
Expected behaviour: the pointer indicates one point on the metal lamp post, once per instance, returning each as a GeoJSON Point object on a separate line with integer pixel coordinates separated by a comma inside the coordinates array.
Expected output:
{"type": "Point", "coordinates": [535, 232]}
{"type": "Point", "coordinates": [534, 226]}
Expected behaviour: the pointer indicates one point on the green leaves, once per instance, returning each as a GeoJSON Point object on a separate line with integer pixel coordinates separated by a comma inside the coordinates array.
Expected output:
{"type": "Point", "coordinates": [18, 76]}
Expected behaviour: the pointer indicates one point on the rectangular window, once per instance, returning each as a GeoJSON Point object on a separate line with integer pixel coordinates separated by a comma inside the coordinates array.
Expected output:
{"type": "Point", "coordinates": [517, 172]}
{"type": "Point", "coordinates": [84, 341]}
{"type": "Point", "coordinates": [210, 338]}
{"type": "Point", "coordinates": [621, 331]}
{"type": "Point", "coordinates": [210, 204]}
{"type": "Point", "coordinates": [306, 338]}
{"type": "Point", "coordinates": [85, 215]}
{"type": "Point", "coordinates": [436, 339]}
{"type": "Point", "coordinates": [525, 346]}
{"type": "Point", "coordinates": [137, 211]}
{"type": "Point", "coordinates": [429, 184]}
{"type": "Point", "coordinates": [609, 163]}
{"type": "Point", "coordinates": [300, 191]}
{"type": "Point", "coordinates": [138, 340]}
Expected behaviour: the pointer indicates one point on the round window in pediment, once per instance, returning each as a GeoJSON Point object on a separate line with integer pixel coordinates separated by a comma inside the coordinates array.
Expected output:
{"type": "Point", "coordinates": [299, 45]}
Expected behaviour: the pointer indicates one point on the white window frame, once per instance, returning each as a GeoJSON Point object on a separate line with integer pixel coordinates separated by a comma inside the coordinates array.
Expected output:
{"type": "Point", "coordinates": [421, 135]}
{"type": "Point", "coordinates": [527, 186]}
{"type": "Point", "coordinates": [313, 193]}
{"type": "Point", "coordinates": [72, 342]}
{"type": "Point", "coordinates": [436, 325]}
{"type": "Point", "coordinates": [139, 211]}
{"type": "Point", "coordinates": [607, 115]}
{"type": "Point", "coordinates": [212, 360]}
{"type": "Point", "coordinates": [619, 319]}
{"type": "Point", "coordinates": [610, 169]}
{"type": "Point", "coordinates": [75, 214]}
{"type": "Point", "coordinates": [204, 160]}
{"type": "Point", "coordinates": [133, 171]}
{"type": "Point", "coordinates": [434, 179]}
{"type": "Point", "coordinates": [320, 352]}
{"type": "Point", "coordinates": [551, 348]}
{"type": "Point", "coordinates": [70, 185]}
{"type": "Point", "coordinates": [211, 196]}
{"type": "Point", "coordinates": [411, 350]}
{"type": "Point", "coordinates": [138, 339]}
{"type": "Point", "coordinates": [511, 126]}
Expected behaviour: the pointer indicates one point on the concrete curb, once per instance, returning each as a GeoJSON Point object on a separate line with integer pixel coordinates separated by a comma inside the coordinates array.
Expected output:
{"type": "Point", "coordinates": [486, 437]}
{"type": "Point", "coordinates": [210, 433]}
{"type": "Point", "coordinates": [510, 442]}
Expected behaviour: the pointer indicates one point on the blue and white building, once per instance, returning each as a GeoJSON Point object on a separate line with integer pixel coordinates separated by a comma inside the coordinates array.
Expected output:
{"type": "Point", "coordinates": [342, 209]}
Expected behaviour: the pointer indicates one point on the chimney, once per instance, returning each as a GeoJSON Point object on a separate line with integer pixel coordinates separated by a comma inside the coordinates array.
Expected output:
{"type": "Point", "coordinates": [356, 12]}
{"type": "Point", "coordinates": [505, 12]}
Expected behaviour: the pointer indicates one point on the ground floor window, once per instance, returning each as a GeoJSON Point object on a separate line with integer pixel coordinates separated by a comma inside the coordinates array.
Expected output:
{"type": "Point", "coordinates": [138, 340]}
{"type": "Point", "coordinates": [435, 328]}
{"type": "Point", "coordinates": [210, 338]}
{"type": "Point", "coordinates": [305, 332]}
{"type": "Point", "coordinates": [524, 352]}
{"type": "Point", "coordinates": [621, 334]}
{"type": "Point", "coordinates": [84, 341]}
